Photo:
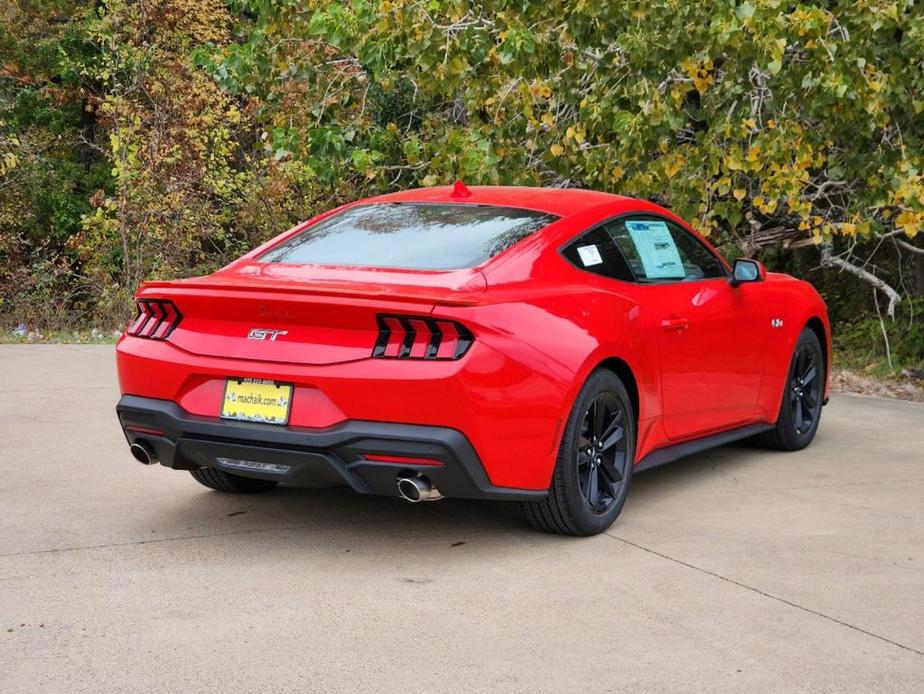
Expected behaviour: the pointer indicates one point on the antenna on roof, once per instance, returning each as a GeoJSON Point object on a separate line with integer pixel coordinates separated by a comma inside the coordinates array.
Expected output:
{"type": "Point", "coordinates": [460, 190]}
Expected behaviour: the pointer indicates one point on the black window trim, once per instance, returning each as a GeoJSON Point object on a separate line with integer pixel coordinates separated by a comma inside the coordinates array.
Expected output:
{"type": "Point", "coordinates": [642, 214]}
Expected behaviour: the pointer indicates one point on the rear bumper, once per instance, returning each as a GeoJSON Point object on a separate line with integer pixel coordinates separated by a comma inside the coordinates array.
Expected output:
{"type": "Point", "coordinates": [331, 456]}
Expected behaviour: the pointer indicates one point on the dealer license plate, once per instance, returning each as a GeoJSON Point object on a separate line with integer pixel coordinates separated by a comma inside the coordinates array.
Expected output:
{"type": "Point", "coordinates": [255, 400]}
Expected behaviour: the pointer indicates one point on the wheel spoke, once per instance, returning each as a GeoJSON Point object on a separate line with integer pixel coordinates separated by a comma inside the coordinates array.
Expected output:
{"type": "Point", "coordinates": [808, 399]}
{"type": "Point", "coordinates": [593, 489]}
{"type": "Point", "coordinates": [809, 376]}
{"type": "Point", "coordinates": [614, 435]}
{"type": "Point", "coordinates": [809, 372]}
{"type": "Point", "coordinates": [612, 470]}
{"type": "Point", "coordinates": [798, 418]}
{"type": "Point", "coordinates": [598, 416]}
{"type": "Point", "coordinates": [584, 479]}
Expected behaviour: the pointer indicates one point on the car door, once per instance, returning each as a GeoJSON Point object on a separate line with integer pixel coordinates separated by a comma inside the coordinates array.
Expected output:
{"type": "Point", "coordinates": [709, 333]}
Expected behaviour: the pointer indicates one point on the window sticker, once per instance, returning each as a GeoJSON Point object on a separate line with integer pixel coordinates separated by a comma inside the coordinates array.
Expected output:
{"type": "Point", "coordinates": [589, 255]}
{"type": "Point", "coordinates": [656, 249]}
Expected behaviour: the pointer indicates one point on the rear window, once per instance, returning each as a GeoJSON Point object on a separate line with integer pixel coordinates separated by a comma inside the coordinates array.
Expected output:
{"type": "Point", "coordinates": [411, 236]}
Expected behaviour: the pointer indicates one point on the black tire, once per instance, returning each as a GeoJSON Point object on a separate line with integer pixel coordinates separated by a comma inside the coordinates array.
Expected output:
{"type": "Point", "coordinates": [800, 410]}
{"type": "Point", "coordinates": [578, 477]}
{"type": "Point", "coordinates": [222, 481]}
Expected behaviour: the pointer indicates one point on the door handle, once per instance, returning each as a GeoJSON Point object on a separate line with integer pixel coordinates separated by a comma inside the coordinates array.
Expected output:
{"type": "Point", "coordinates": [675, 324]}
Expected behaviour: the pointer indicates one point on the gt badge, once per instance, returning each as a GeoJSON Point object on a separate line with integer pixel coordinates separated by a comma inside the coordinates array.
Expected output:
{"type": "Point", "coordinates": [265, 334]}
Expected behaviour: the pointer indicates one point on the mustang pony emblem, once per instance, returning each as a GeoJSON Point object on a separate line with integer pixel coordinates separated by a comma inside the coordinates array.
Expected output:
{"type": "Point", "coordinates": [265, 334]}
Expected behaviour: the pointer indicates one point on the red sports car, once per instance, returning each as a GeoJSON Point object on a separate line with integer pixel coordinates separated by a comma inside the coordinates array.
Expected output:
{"type": "Point", "coordinates": [527, 344]}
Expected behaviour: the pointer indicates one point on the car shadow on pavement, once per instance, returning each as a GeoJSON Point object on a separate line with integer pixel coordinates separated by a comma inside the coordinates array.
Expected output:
{"type": "Point", "coordinates": [319, 511]}
{"type": "Point", "coordinates": [314, 512]}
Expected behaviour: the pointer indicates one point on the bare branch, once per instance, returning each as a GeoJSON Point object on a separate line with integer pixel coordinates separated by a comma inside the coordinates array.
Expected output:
{"type": "Point", "coordinates": [828, 259]}
{"type": "Point", "coordinates": [908, 247]}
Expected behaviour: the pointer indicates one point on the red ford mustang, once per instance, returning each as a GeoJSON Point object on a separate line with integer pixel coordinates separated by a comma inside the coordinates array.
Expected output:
{"type": "Point", "coordinates": [500, 343]}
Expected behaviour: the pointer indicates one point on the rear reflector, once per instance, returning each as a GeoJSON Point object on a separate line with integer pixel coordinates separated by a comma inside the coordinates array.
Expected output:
{"type": "Point", "coordinates": [155, 320]}
{"type": "Point", "coordinates": [401, 459]}
{"type": "Point", "coordinates": [138, 429]}
{"type": "Point", "coordinates": [420, 337]}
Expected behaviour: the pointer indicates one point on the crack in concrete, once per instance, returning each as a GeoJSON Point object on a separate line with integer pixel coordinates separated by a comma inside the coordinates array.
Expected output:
{"type": "Point", "coordinates": [40, 391]}
{"type": "Point", "coordinates": [765, 594]}
{"type": "Point", "coordinates": [180, 538]}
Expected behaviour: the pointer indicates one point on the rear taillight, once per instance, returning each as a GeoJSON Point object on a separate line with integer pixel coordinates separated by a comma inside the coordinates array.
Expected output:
{"type": "Point", "coordinates": [156, 319]}
{"type": "Point", "coordinates": [419, 337]}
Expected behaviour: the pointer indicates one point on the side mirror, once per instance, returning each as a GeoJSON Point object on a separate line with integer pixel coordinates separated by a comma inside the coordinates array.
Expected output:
{"type": "Point", "coordinates": [747, 270]}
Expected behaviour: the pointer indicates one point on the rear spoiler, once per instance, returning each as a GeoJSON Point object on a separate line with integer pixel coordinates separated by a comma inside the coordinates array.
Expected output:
{"type": "Point", "coordinates": [453, 287]}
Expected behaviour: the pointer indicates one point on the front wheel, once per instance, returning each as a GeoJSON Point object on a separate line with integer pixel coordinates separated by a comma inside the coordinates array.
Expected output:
{"type": "Point", "coordinates": [800, 411]}
{"type": "Point", "coordinates": [594, 465]}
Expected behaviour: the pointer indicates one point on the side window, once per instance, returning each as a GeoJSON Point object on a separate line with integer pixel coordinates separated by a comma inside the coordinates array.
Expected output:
{"type": "Point", "coordinates": [597, 252]}
{"type": "Point", "coordinates": [660, 251]}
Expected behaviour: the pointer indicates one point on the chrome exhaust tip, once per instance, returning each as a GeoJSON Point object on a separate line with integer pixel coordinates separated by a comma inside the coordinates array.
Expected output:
{"type": "Point", "coordinates": [143, 453]}
{"type": "Point", "coordinates": [416, 489]}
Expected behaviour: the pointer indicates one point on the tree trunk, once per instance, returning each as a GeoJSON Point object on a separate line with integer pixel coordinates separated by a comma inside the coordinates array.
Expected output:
{"type": "Point", "coordinates": [919, 267]}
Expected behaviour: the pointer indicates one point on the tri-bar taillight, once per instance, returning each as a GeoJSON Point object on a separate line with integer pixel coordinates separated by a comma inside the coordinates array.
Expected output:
{"type": "Point", "coordinates": [156, 319]}
{"type": "Point", "coordinates": [421, 337]}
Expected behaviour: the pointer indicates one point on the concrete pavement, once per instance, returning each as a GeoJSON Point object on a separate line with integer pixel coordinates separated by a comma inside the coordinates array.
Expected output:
{"type": "Point", "coordinates": [733, 570]}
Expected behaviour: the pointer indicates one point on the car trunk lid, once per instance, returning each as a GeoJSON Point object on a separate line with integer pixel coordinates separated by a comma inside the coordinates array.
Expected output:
{"type": "Point", "coordinates": [303, 314]}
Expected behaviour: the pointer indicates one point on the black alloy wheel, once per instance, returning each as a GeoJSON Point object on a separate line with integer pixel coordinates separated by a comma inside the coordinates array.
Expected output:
{"type": "Point", "coordinates": [805, 389]}
{"type": "Point", "coordinates": [593, 469]}
{"type": "Point", "coordinates": [601, 452]}
{"type": "Point", "coordinates": [800, 410]}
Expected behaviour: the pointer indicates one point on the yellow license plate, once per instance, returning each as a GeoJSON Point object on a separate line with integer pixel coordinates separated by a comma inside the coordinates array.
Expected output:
{"type": "Point", "coordinates": [254, 400]}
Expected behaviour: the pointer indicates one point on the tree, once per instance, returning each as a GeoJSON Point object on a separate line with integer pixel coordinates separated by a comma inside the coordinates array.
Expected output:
{"type": "Point", "coordinates": [792, 131]}
{"type": "Point", "coordinates": [767, 124]}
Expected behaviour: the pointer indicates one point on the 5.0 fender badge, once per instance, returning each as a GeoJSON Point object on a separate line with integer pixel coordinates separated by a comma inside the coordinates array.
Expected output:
{"type": "Point", "coordinates": [265, 334]}
{"type": "Point", "coordinates": [776, 323]}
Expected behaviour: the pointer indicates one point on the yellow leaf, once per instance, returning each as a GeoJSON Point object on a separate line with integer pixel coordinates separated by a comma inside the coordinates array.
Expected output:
{"type": "Point", "coordinates": [702, 83]}
{"type": "Point", "coordinates": [739, 193]}
{"type": "Point", "coordinates": [733, 162]}
{"type": "Point", "coordinates": [909, 222]}
{"type": "Point", "coordinates": [673, 166]}
{"type": "Point", "coordinates": [556, 150]}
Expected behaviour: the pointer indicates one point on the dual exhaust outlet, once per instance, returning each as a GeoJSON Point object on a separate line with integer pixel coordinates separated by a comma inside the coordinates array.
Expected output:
{"type": "Point", "coordinates": [413, 489]}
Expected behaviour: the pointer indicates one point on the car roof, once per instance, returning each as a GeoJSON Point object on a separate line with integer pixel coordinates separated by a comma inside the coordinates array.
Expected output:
{"type": "Point", "coordinates": [562, 202]}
